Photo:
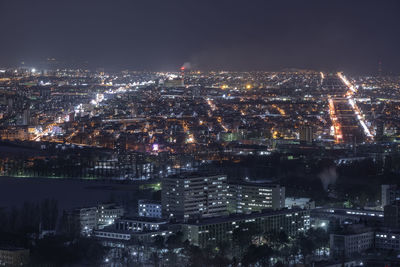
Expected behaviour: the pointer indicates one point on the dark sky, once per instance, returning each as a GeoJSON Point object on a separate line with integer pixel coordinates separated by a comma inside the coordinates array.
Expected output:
{"type": "Point", "coordinates": [350, 35]}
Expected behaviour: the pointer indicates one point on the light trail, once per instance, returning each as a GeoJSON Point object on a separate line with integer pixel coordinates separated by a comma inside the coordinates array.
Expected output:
{"type": "Point", "coordinates": [353, 104]}
{"type": "Point", "coordinates": [337, 128]}
{"type": "Point", "coordinates": [347, 83]}
{"type": "Point", "coordinates": [213, 108]}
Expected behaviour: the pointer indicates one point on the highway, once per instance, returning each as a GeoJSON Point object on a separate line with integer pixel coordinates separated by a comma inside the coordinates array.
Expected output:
{"type": "Point", "coordinates": [349, 125]}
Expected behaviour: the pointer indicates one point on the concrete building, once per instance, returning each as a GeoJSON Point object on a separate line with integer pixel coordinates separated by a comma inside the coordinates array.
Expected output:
{"type": "Point", "coordinates": [139, 224]}
{"type": "Point", "coordinates": [220, 229]}
{"type": "Point", "coordinates": [389, 194]}
{"type": "Point", "coordinates": [87, 219]}
{"type": "Point", "coordinates": [392, 215]}
{"type": "Point", "coordinates": [192, 195]}
{"type": "Point", "coordinates": [174, 83]}
{"type": "Point", "coordinates": [343, 216]}
{"type": "Point", "coordinates": [14, 256]}
{"type": "Point", "coordinates": [246, 197]}
{"type": "Point", "coordinates": [149, 208]}
{"type": "Point", "coordinates": [108, 213]}
{"type": "Point", "coordinates": [387, 240]}
{"type": "Point", "coordinates": [351, 243]}
{"type": "Point", "coordinates": [302, 202]}
{"type": "Point", "coordinates": [306, 134]}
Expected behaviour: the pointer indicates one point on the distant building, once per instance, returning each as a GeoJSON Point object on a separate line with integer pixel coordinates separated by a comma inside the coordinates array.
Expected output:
{"type": "Point", "coordinates": [380, 130]}
{"type": "Point", "coordinates": [306, 134]}
{"type": "Point", "coordinates": [149, 208]}
{"type": "Point", "coordinates": [392, 215]}
{"type": "Point", "coordinates": [14, 256]}
{"type": "Point", "coordinates": [191, 195]}
{"type": "Point", "coordinates": [302, 202]}
{"type": "Point", "coordinates": [343, 216]}
{"type": "Point", "coordinates": [88, 219]}
{"type": "Point", "coordinates": [247, 197]}
{"type": "Point", "coordinates": [139, 224]}
{"type": "Point", "coordinates": [390, 193]}
{"type": "Point", "coordinates": [174, 83]}
{"type": "Point", "coordinates": [139, 228]}
{"type": "Point", "coordinates": [387, 240]}
{"type": "Point", "coordinates": [351, 243]}
{"type": "Point", "coordinates": [108, 213]}
{"type": "Point", "coordinates": [26, 117]}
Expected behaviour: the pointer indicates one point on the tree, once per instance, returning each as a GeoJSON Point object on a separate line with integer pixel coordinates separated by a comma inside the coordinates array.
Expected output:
{"type": "Point", "coordinates": [243, 235]}
{"type": "Point", "coordinates": [306, 246]}
{"type": "Point", "coordinates": [257, 254]}
{"type": "Point", "coordinates": [175, 240]}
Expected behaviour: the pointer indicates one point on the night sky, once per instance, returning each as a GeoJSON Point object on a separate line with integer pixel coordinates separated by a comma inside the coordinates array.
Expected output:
{"type": "Point", "coordinates": [349, 35]}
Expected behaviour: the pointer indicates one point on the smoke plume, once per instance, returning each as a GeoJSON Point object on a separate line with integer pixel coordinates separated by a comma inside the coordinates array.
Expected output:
{"type": "Point", "coordinates": [328, 177]}
{"type": "Point", "coordinates": [187, 65]}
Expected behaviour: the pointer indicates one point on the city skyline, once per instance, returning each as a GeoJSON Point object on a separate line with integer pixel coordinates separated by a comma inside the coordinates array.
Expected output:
{"type": "Point", "coordinates": [213, 133]}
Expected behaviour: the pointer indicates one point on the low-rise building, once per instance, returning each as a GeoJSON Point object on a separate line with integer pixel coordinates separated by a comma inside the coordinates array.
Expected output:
{"type": "Point", "coordinates": [387, 240]}
{"type": "Point", "coordinates": [14, 256]}
{"type": "Point", "coordinates": [392, 214]}
{"type": "Point", "coordinates": [139, 224]}
{"type": "Point", "coordinates": [87, 219]}
{"type": "Point", "coordinates": [149, 208]}
{"type": "Point", "coordinates": [301, 202]}
{"type": "Point", "coordinates": [351, 242]}
{"type": "Point", "coordinates": [220, 229]}
{"type": "Point", "coordinates": [108, 213]}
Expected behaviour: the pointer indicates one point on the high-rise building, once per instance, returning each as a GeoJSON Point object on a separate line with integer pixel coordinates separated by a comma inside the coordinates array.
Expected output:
{"type": "Point", "coordinates": [390, 193]}
{"type": "Point", "coordinates": [192, 195]}
{"type": "Point", "coordinates": [212, 231]}
{"type": "Point", "coordinates": [392, 215]}
{"type": "Point", "coordinates": [26, 115]}
{"type": "Point", "coordinates": [380, 130]}
{"type": "Point", "coordinates": [306, 134]}
{"type": "Point", "coordinates": [246, 197]}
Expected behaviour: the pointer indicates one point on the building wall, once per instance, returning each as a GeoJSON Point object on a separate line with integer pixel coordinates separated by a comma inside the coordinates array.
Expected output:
{"type": "Point", "coordinates": [350, 244]}
{"type": "Point", "coordinates": [149, 209]}
{"type": "Point", "coordinates": [107, 214]}
{"type": "Point", "coordinates": [387, 241]}
{"type": "Point", "coordinates": [246, 198]}
{"type": "Point", "coordinates": [203, 234]}
{"type": "Point", "coordinates": [14, 257]}
{"type": "Point", "coordinates": [138, 225]}
{"type": "Point", "coordinates": [187, 197]}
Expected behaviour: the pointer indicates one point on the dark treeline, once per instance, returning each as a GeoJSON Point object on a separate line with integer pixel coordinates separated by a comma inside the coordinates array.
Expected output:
{"type": "Point", "coordinates": [29, 219]}
{"type": "Point", "coordinates": [33, 226]}
{"type": "Point", "coordinates": [249, 247]}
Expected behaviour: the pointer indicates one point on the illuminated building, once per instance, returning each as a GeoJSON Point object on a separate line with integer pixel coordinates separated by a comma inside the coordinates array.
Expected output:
{"type": "Point", "coordinates": [351, 243]}
{"type": "Point", "coordinates": [306, 134]}
{"type": "Point", "coordinates": [149, 208]}
{"type": "Point", "coordinates": [191, 195]}
{"type": "Point", "coordinates": [87, 219]}
{"type": "Point", "coordinates": [249, 197]}
{"type": "Point", "coordinates": [213, 231]}
{"type": "Point", "coordinates": [108, 213]}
